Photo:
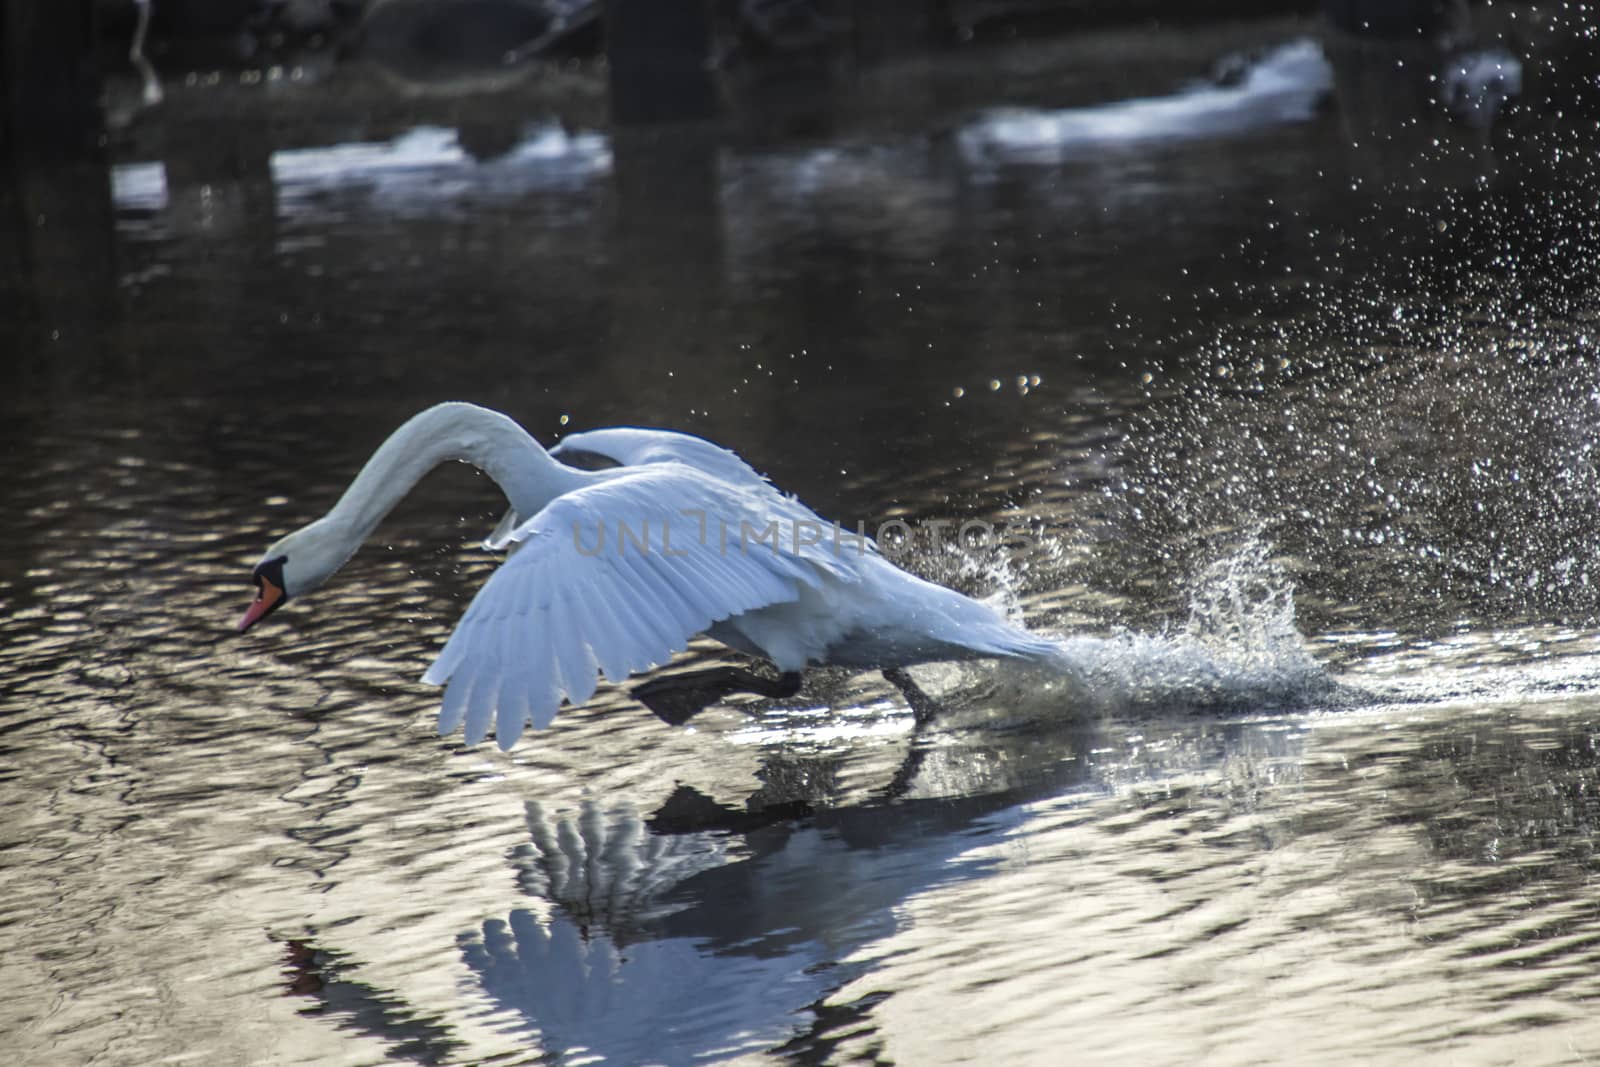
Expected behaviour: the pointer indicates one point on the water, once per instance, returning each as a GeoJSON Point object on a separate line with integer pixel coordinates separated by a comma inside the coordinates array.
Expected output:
{"type": "Point", "coordinates": [1298, 417]}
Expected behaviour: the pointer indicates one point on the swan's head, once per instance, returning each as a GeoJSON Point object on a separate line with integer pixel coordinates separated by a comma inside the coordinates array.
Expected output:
{"type": "Point", "coordinates": [296, 564]}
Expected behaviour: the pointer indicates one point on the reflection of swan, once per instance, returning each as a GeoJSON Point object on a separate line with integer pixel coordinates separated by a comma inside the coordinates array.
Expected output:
{"type": "Point", "coordinates": [608, 872]}
{"type": "Point", "coordinates": [708, 958]}
{"type": "Point", "coordinates": [618, 569]}
{"type": "Point", "coordinates": [660, 1002]}
{"type": "Point", "coordinates": [703, 931]}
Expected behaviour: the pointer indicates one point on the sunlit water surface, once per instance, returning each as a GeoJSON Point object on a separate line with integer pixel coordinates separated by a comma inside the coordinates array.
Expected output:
{"type": "Point", "coordinates": [1287, 417]}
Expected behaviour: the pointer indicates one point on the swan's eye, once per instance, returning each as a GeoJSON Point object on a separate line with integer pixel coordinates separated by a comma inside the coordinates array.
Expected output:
{"type": "Point", "coordinates": [270, 592]}
{"type": "Point", "coordinates": [270, 572]}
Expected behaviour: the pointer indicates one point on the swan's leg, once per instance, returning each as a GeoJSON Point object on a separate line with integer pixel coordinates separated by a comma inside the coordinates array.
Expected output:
{"type": "Point", "coordinates": [688, 811]}
{"type": "Point", "coordinates": [678, 698]}
{"type": "Point", "coordinates": [922, 705]}
{"type": "Point", "coordinates": [924, 710]}
{"type": "Point", "coordinates": [908, 770]}
{"type": "Point", "coordinates": [782, 687]}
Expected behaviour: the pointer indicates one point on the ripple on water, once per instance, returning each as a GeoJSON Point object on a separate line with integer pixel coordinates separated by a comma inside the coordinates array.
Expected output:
{"type": "Point", "coordinates": [1249, 913]}
{"type": "Point", "coordinates": [265, 827]}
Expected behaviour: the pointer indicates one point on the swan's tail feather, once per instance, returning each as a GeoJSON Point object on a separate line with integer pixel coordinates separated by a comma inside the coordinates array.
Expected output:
{"type": "Point", "coordinates": [1016, 643]}
{"type": "Point", "coordinates": [968, 628]}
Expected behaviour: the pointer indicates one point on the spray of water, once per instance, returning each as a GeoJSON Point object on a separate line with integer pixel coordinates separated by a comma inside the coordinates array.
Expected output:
{"type": "Point", "coordinates": [1238, 648]}
{"type": "Point", "coordinates": [1409, 411]}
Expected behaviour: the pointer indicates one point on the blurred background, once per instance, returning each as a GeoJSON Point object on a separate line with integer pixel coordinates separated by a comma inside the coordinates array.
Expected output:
{"type": "Point", "coordinates": [1267, 328]}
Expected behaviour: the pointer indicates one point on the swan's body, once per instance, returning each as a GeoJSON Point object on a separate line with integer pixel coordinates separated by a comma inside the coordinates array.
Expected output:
{"type": "Point", "coordinates": [883, 617]}
{"type": "Point", "coordinates": [616, 570]}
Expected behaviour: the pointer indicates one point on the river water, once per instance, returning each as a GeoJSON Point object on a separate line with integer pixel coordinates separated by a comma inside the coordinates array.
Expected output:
{"type": "Point", "coordinates": [1281, 391]}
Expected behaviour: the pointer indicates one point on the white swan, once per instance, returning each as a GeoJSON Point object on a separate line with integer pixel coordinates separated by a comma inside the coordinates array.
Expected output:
{"type": "Point", "coordinates": [616, 570]}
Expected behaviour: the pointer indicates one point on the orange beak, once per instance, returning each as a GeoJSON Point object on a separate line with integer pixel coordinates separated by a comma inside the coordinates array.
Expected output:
{"type": "Point", "coordinates": [269, 597]}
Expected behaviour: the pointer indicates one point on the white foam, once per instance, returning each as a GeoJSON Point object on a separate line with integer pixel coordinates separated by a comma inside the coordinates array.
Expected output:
{"type": "Point", "coordinates": [139, 186]}
{"type": "Point", "coordinates": [1284, 86]}
{"type": "Point", "coordinates": [427, 166]}
{"type": "Point", "coordinates": [1238, 648]}
{"type": "Point", "coordinates": [426, 148]}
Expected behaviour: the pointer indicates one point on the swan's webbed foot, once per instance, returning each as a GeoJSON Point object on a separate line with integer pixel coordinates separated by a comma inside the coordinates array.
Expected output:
{"type": "Point", "coordinates": [680, 697]}
{"type": "Point", "coordinates": [923, 707]}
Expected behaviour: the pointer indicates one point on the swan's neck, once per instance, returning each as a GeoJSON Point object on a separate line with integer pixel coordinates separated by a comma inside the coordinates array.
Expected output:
{"type": "Point", "coordinates": [488, 440]}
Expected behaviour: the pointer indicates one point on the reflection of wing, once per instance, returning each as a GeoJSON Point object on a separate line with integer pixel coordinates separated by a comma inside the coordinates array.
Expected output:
{"type": "Point", "coordinates": [617, 576]}
{"type": "Point", "coordinates": [603, 868]}
{"type": "Point", "coordinates": [772, 922]}
{"type": "Point", "coordinates": [667, 949]}
{"type": "Point", "coordinates": [662, 1001]}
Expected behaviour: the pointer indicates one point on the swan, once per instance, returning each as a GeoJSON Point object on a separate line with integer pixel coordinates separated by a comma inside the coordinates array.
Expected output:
{"type": "Point", "coordinates": [613, 571]}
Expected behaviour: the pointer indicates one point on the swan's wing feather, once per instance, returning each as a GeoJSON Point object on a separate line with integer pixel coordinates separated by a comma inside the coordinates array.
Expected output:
{"type": "Point", "coordinates": [616, 577]}
{"type": "Point", "coordinates": [479, 701]}
{"type": "Point", "coordinates": [579, 668]}
{"type": "Point", "coordinates": [453, 709]}
{"type": "Point", "coordinates": [634, 446]}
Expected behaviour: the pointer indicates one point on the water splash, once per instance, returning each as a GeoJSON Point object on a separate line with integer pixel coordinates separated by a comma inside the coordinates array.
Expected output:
{"type": "Point", "coordinates": [1414, 418]}
{"type": "Point", "coordinates": [1238, 644]}
{"type": "Point", "coordinates": [1238, 648]}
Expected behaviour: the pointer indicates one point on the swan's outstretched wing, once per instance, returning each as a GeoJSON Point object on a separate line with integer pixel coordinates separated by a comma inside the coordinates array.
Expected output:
{"type": "Point", "coordinates": [617, 577]}
{"type": "Point", "coordinates": [632, 446]}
